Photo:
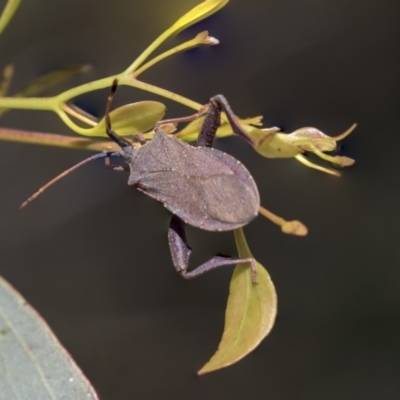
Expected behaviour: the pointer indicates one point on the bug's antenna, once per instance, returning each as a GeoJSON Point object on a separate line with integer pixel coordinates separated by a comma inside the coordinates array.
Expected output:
{"type": "Point", "coordinates": [66, 172]}
{"type": "Point", "coordinates": [121, 142]}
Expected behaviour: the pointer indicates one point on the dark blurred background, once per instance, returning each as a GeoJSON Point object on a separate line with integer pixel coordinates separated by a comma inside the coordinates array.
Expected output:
{"type": "Point", "coordinates": [91, 255]}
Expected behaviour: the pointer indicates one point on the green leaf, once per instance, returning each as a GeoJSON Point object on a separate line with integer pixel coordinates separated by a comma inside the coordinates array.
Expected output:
{"type": "Point", "coordinates": [250, 312]}
{"type": "Point", "coordinates": [196, 14]}
{"type": "Point", "coordinates": [129, 119]}
{"type": "Point", "coordinates": [8, 13]}
{"type": "Point", "coordinates": [33, 364]}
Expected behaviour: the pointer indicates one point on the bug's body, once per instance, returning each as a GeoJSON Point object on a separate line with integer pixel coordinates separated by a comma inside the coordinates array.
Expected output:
{"type": "Point", "coordinates": [205, 187]}
{"type": "Point", "coordinates": [200, 186]}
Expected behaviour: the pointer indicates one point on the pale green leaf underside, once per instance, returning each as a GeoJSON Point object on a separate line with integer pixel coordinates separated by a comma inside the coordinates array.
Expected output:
{"type": "Point", "coordinates": [130, 119]}
{"type": "Point", "coordinates": [250, 312]}
{"type": "Point", "coordinates": [33, 364]}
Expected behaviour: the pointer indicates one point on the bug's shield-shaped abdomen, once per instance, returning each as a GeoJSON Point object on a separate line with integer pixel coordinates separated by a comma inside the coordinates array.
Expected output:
{"type": "Point", "coordinates": [205, 187]}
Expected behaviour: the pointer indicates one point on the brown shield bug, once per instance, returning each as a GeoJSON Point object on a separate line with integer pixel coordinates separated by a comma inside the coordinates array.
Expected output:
{"type": "Point", "coordinates": [201, 186]}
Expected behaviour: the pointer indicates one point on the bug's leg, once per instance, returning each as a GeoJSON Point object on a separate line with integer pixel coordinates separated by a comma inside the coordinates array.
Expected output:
{"type": "Point", "coordinates": [212, 122]}
{"type": "Point", "coordinates": [188, 118]}
{"type": "Point", "coordinates": [140, 138]}
{"type": "Point", "coordinates": [180, 252]}
{"type": "Point", "coordinates": [118, 168]}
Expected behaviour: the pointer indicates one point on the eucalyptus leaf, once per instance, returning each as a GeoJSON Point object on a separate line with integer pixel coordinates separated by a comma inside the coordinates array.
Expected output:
{"type": "Point", "coordinates": [33, 364]}
{"type": "Point", "coordinates": [250, 312]}
{"type": "Point", "coordinates": [130, 119]}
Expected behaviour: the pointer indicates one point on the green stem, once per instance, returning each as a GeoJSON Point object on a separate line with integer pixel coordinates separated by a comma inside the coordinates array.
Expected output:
{"type": "Point", "coordinates": [241, 243]}
{"type": "Point", "coordinates": [140, 60]}
{"type": "Point", "coordinates": [71, 124]}
{"type": "Point", "coordinates": [55, 140]}
{"type": "Point", "coordinates": [69, 110]}
{"type": "Point", "coordinates": [28, 103]}
{"type": "Point", "coordinates": [124, 79]}
{"type": "Point", "coordinates": [85, 88]}
{"type": "Point", "coordinates": [197, 41]}
{"type": "Point", "coordinates": [197, 13]}
{"type": "Point", "coordinates": [131, 81]}
{"type": "Point", "coordinates": [54, 103]}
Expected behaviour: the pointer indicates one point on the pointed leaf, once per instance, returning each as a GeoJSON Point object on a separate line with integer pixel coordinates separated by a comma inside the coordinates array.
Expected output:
{"type": "Point", "coordinates": [250, 312]}
{"type": "Point", "coordinates": [130, 119]}
{"type": "Point", "coordinates": [33, 364]}
{"type": "Point", "coordinates": [196, 14]}
{"type": "Point", "coordinates": [8, 12]}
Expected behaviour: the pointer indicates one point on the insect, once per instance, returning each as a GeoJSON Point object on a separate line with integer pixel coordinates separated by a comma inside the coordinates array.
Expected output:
{"type": "Point", "coordinates": [201, 186]}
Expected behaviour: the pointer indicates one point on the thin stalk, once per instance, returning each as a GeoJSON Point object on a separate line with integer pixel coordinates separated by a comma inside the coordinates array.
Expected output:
{"type": "Point", "coordinates": [141, 59]}
{"type": "Point", "coordinates": [195, 42]}
{"type": "Point", "coordinates": [130, 81]}
{"type": "Point", "coordinates": [69, 110]}
{"type": "Point", "coordinates": [56, 140]}
{"type": "Point", "coordinates": [28, 103]}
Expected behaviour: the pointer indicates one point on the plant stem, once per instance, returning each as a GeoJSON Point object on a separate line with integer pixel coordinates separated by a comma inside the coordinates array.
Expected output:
{"type": "Point", "coordinates": [55, 140]}
{"type": "Point", "coordinates": [28, 103]}
{"type": "Point", "coordinates": [140, 60]}
{"type": "Point", "coordinates": [131, 81]}
{"type": "Point", "coordinates": [69, 110]}
{"type": "Point", "coordinates": [85, 88]}
{"type": "Point", "coordinates": [177, 49]}
{"type": "Point", "coordinates": [54, 103]}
